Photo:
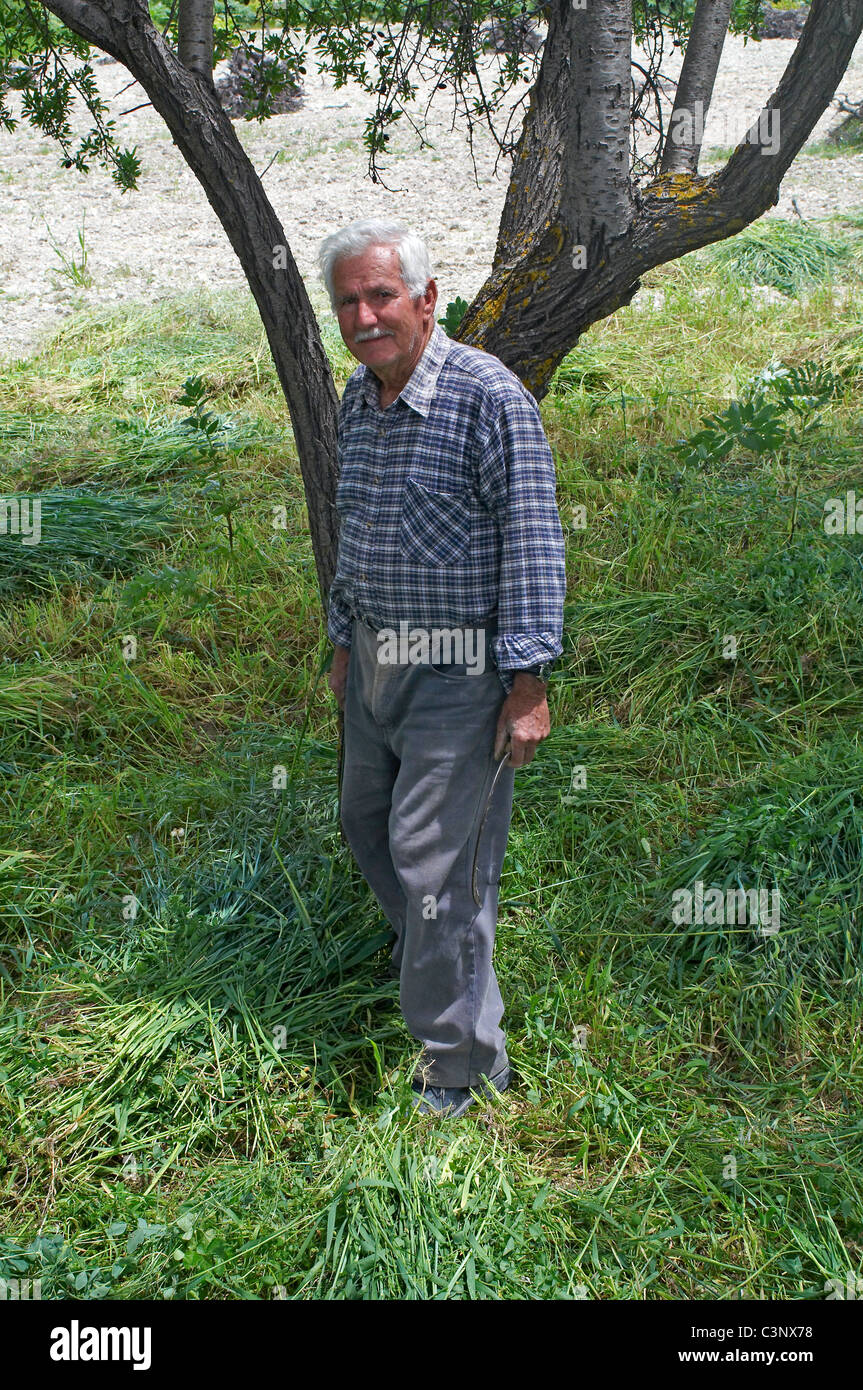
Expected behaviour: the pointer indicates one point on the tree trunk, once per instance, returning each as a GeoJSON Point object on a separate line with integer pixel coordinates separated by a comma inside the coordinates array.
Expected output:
{"type": "Point", "coordinates": [543, 291]}
{"type": "Point", "coordinates": [208, 143]}
{"type": "Point", "coordinates": [574, 237]}
{"type": "Point", "coordinates": [195, 37]}
{"type": "Point", "coordinates": [695, 87]}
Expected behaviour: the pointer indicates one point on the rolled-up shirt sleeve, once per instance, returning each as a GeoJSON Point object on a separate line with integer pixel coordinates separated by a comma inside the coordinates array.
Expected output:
{"type": "Point", "coordinates": [339, 621]}
{"type": "Point", "coordinates": [516, 482]}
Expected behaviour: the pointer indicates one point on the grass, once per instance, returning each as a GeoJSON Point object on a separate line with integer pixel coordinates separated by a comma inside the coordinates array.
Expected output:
{"type": "Point", "coordinates": [788, 256]}
{"type": "Point", "coordinates": [204, 1075]}
{"type": "Point", "coordinates": [839, 145]}
{"type": "Point", "coordinates": [73, 269]}
{"type": "Point", "coordinates": [71, 533]}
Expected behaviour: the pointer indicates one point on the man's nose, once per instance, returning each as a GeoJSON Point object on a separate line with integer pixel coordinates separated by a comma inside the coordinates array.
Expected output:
{"type": "Point", "coordinates": [366, 317]}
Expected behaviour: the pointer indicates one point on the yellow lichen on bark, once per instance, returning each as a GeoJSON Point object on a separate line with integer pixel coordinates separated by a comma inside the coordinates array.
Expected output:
{"type": "Point", "coordinates": [539, 374]}
{"type": "Point", "coordinates": [488, 312]}
{"type": "Point", "coordinates": [680, 187]}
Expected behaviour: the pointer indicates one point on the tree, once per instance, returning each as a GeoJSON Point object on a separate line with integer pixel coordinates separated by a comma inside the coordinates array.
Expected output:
{"type": "Point", "coordinates": [586, 213]}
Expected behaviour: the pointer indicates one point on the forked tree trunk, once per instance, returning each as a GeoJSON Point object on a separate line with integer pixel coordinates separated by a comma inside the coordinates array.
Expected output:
{"type": "Point", "coordinates": [574, 236]}
{"type": "Point", "coordinates": [558, 268]}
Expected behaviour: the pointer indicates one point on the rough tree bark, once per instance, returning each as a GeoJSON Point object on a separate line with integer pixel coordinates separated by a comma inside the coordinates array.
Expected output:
{"type": "Point", "coordinates": [542, 292]}
{"type": "Point", "coordinates": [574, 236]}
{"type": "Point", "coordinates": [695, 84]}
{"type": "Point", "coordinates": [208, 143]}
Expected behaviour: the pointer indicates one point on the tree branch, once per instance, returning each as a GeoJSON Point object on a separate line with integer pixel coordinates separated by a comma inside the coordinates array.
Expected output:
{"type": "Point", "coordinates": [195, 37]}
{"type": "Point", "coordinates": [94, 23]}
{"type": "Point", "coordinates": [534, 306]}
{"type": "Point", "coordinates": [695, 87]}
{"type": "Point", "coordinates": [596, 201]}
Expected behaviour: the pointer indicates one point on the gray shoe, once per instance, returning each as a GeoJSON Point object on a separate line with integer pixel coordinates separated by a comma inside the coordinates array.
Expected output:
{"type": "Point", "coordinates": [452, 1101]}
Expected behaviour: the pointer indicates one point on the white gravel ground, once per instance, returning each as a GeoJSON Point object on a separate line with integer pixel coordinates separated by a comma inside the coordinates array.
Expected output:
{"type": "Point", "coordinates": [164, 238]}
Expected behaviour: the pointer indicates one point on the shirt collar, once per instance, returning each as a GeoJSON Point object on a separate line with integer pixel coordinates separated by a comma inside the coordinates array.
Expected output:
{"type": "Point", "coordinates": [418, 391]}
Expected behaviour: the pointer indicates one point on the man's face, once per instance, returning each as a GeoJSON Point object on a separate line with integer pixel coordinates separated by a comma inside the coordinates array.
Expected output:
{"type": "Point", "coordinates": [381, 325]}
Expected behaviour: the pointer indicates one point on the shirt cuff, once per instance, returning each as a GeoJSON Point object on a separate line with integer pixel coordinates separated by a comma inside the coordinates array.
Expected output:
{"type": "Point", "coordinates": [339, 624]}
{"type": "Point", "coordinates": [517, 651]}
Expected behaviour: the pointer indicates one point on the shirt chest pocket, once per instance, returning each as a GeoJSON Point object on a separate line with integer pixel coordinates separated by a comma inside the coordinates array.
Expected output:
{"type": "Point", "coordinates": [434, 527]}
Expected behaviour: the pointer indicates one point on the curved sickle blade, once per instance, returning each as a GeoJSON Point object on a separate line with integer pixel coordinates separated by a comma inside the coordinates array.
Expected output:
{"type": "Point", "coordinates": [500, 767]}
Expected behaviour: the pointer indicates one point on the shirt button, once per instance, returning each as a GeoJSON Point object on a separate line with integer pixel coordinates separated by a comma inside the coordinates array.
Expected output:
{"type": "Point", "coordinates": [376, 479]}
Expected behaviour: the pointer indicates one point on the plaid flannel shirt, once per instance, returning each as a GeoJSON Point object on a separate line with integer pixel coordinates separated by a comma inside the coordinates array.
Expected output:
{"type": "Point", "coordinates": [447, 509]}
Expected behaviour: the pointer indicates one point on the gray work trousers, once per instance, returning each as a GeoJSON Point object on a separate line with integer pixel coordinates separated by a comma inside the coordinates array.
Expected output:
{"type": "Point", "coordinates": [418, 766]}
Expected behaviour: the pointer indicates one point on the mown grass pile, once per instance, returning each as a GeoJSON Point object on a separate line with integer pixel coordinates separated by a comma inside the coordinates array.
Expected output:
{"type": "Point", "coordinates": [789, 256]}
{"type": "Point", "coordinates": [204, 1075]}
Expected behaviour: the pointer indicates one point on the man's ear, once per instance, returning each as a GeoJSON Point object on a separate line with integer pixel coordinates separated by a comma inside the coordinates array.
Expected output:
{"type": "Point", "coordinates": [430, 299]}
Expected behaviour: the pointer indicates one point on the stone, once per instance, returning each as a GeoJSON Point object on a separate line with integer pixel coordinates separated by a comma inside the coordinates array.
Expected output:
{"type": "Point", "coordinates": [522, 35]}
{"type": "Point", "coordinates": [783, 24]}
{"type": "Point", "coordinates": [244, 65]}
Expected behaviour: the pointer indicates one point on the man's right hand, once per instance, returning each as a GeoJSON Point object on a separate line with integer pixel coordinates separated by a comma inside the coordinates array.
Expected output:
{"type": "Point", "coordinates": [338, 675]}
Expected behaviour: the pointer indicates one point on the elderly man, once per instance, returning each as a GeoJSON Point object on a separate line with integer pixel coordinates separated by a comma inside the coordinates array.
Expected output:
{"type": "Point", "coordinates": [449, 538]}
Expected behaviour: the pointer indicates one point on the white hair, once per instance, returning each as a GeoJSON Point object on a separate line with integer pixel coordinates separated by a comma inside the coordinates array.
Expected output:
{"type": "Point", "coordinates": [357, 237]}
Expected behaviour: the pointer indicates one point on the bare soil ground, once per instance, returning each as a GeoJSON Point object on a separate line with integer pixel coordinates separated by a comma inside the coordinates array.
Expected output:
{"type": "Point", "coordinates": [165, 238]}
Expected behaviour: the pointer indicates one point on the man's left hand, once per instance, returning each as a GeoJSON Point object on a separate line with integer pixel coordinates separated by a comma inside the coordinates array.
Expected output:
{"type": "Point", "coordinates": [524, 718]}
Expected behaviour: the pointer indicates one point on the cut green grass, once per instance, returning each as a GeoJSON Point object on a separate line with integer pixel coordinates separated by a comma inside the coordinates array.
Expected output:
{"type": "Point", "coordinates": [787, 256]}
{"type": "Point", "coordinates": [204, 1075]}
{"type": "Point", "coordinates": [76, 533]}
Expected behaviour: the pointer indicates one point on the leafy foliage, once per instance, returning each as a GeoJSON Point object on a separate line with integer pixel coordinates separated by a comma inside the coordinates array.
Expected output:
{"type": "Point", "coordinates": [762, 425]}
{"type": "Point", "coordinates": [35, 49]}
{"type": "Point", "coordinates": [455, 312]}
{"type": "Point", "coordinates": [386, 46]}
